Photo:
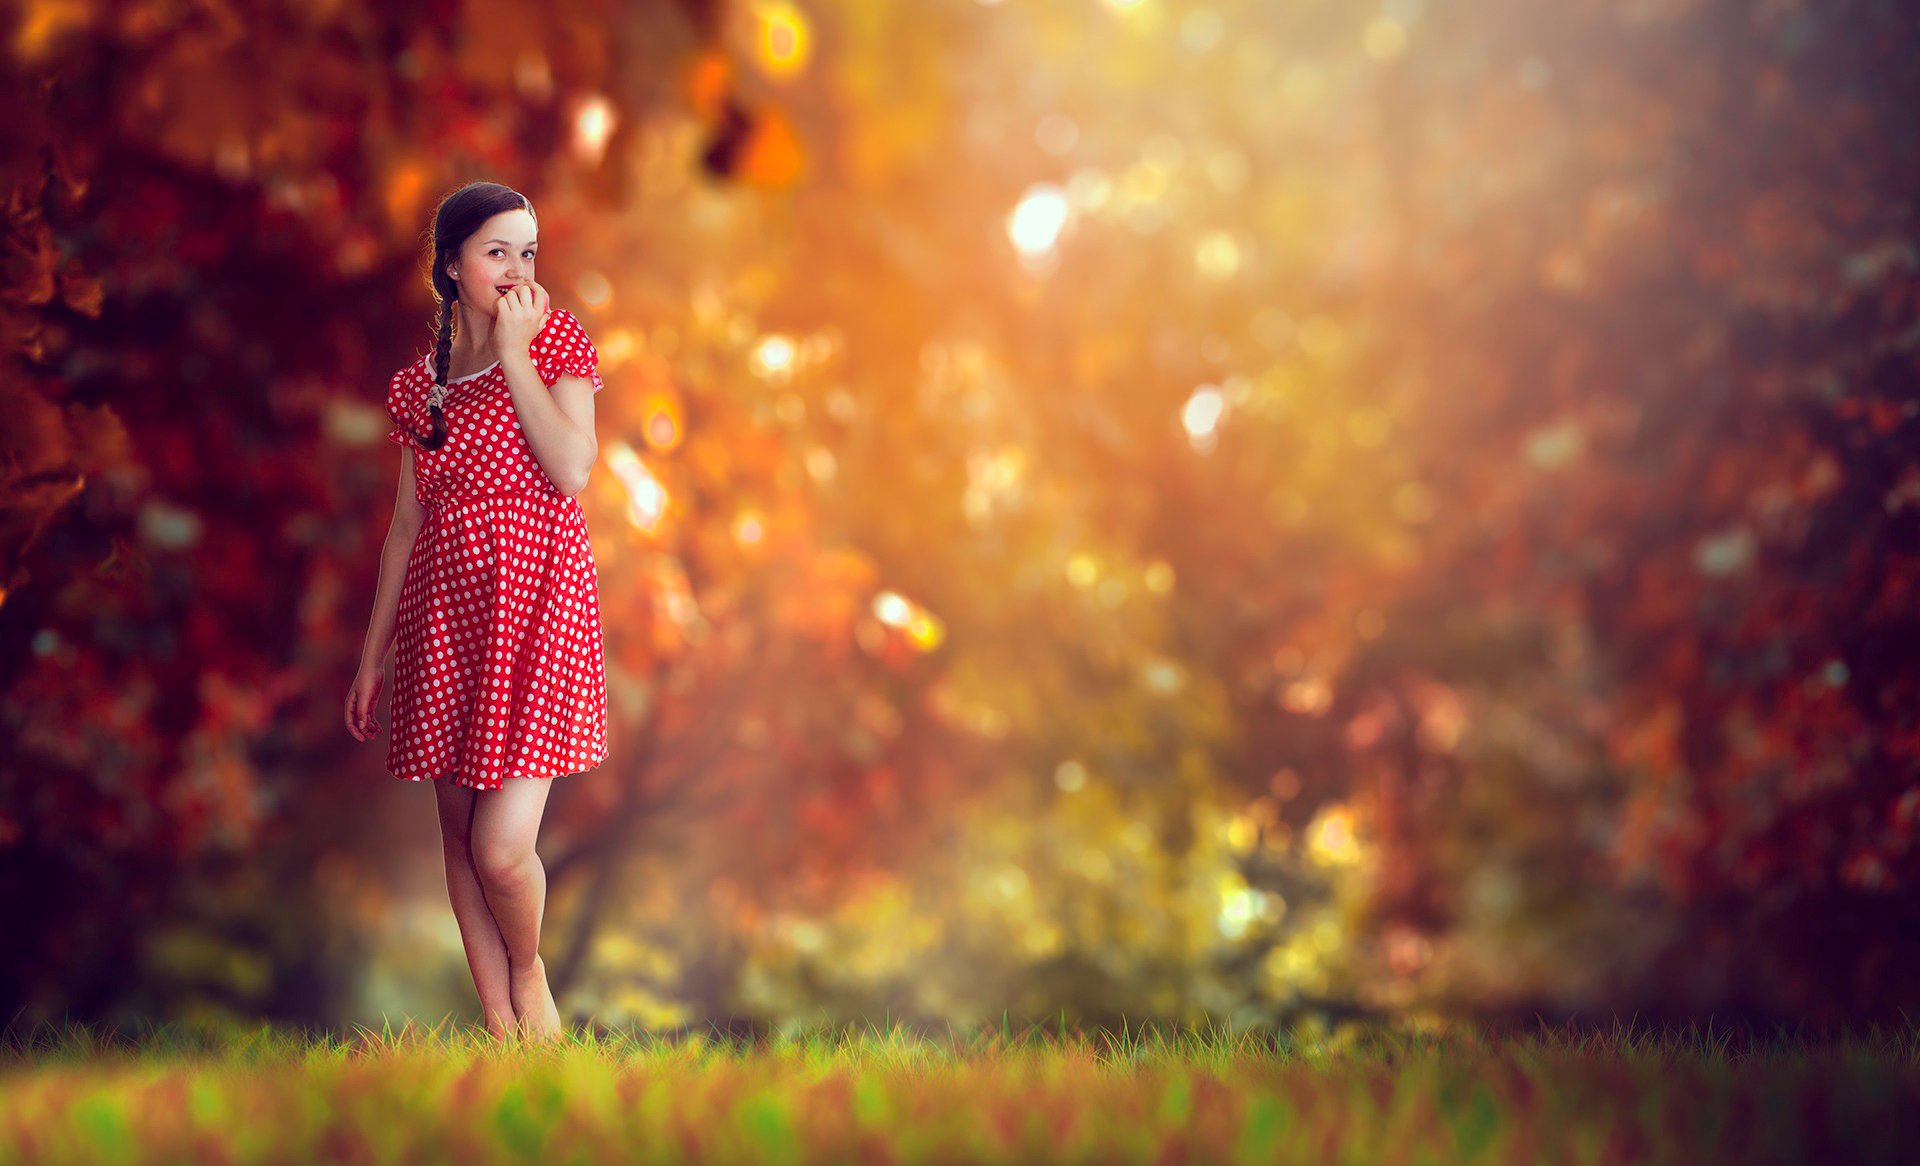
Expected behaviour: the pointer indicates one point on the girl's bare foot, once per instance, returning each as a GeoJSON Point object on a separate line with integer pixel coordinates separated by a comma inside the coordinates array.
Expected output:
{"type": "Point", "coordinates": [501, 1025]}
{"type": "Point", "coordinates": [533, 1004]}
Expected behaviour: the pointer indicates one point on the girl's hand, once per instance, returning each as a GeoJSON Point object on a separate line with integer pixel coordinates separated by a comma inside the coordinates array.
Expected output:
{"type": "Point", "coordinates": [518, 318]}
{"type": "Point", "coordinates": [362, 699]}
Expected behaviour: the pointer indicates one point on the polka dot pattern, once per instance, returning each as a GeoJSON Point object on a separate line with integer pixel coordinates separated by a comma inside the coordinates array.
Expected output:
{"type": "Point", "coordinates": [499, 666]}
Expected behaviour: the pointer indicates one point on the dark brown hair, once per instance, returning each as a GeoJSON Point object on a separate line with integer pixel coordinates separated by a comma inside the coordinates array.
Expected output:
{"type": "Point", "coordinates": [459, 215]}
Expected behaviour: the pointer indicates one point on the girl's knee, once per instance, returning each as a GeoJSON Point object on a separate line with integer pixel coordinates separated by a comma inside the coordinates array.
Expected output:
{"type": "Point", "coordinates": [501, 863]}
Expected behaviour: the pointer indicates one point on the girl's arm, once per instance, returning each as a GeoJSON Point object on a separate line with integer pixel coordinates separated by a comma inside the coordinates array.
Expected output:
{"type": "Point", "coordinates": [557, 421]}
{"type": "Point", "coordinates": [408, 515]}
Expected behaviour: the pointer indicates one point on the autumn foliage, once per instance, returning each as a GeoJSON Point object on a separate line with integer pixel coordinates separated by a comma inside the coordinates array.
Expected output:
{"type": "Point", "coordinates": [1150, 507]}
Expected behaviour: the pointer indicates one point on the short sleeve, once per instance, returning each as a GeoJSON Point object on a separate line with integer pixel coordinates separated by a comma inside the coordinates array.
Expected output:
{"type": "Point", "coordinates": [566, 349]}
{"type": "Point", "coordinates": [396, 410]}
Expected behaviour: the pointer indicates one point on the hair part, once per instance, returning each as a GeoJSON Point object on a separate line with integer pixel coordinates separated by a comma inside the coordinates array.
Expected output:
{"type": "Point", "coordinates": [457, 218]}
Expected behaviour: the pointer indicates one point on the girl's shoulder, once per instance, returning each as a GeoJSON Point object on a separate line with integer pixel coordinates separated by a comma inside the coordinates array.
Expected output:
{"type": "Point", "coordinates": [411, 381]}
{"type": "Point", "coordinates": [562, 327]}
{"type": "Point", "coordinates": [414, 371]}
{"type": "Point", "coordinates": [562, 346]}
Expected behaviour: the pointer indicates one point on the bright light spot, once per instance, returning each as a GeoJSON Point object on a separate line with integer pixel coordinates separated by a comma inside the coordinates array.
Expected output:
{"type": "Point", "coordinates": [1089, 189]}
{"type": "Point", "coordinates": [821, 464]}
{"type": "Point", "coordinates": [925, 630]}
{"type": "Point", "coordinates": [772, 358]}
{"type": "Point", "coordinates": [1201, 414]}
{"type": "Point", "coordinates": [748, 527]}
{"type": "Point", "coordinates": [1070, 776]}
{"type": "Point", "coordinates": [1330, 836]}
{"type": "Point", "coordinates": [1556, 446]}
{"type": "Point", "coordinates": [1036, 222]}
{"type": "Point", "coordinates": [592, 126]}
{"type": "Point", "coordinates": [1725, 553]}
{"type": "Point", "coordinates": [1227, 170]}
{"type": "Point", "coordinates": [40, 26]}
{"type": "Point", "coordinates": [841, 404]}
{"type": "Point", "coordinates": [1010, 882]}
{"type": "Point", "coordinates": [1217, 255]}
{"type": "Point", "coordinates": [1239, 905]}
{"type": "Point", "coordinates": [593, 289]}
{"type": "Point", "coordinates": [993, 481]}
{"type": "Point", "coordinates": [660, 421]}
{"type": "Point", "coordinates": [1443, 718]}
{"type": "Point", "coordinates": [1407, 950]}
{"type": "Point", "coordinates": [1142, 186]}
{"type": "Point", "coordinates": [785, 38]}
{"type": "Point", "coordinates": [1042, 940]}
{"type": "Point", "coordinates": [1163, 676]}
{"type": "Point", "coordinates": [921, 628]}
{"type": "Point", "coordinates": [1308, 697]}
{"type": "Point", "coordinates": [1158, 577]}
{"type": "Point", "coordinates": [1082, 570]}
{"type": "Point", "coordinates": [646, 497]}
{"type": "Point", "coordinates": [163, 524]}
{"type": "Point", "coordinates": [1304, 84]}
{"type": "Point", "coordinates": [804, 934]}
{"type": "Point", "coordinates": [892, 608]}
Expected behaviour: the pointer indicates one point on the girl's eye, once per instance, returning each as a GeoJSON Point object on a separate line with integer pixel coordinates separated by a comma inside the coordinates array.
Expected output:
{"type": "Point", "coordinates": [530, 254]}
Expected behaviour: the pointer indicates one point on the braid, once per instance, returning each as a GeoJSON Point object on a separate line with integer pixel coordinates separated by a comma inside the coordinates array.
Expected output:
{"type": "Point", "coordinates": [439, 391]}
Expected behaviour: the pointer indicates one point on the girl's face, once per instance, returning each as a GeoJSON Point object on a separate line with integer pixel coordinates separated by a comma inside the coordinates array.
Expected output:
{"type": "Point", "coordinates": [500, 255]}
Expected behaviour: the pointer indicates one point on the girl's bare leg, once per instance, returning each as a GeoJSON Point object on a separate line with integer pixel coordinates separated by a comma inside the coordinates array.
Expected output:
{"type": "Point", "coordinates": [506, 823]}
{"type": "Point", "coordinates": [479, 933]}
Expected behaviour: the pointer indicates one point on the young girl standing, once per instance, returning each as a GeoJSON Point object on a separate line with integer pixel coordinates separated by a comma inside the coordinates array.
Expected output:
{"type": "Point", "coordinates": [488, 585]}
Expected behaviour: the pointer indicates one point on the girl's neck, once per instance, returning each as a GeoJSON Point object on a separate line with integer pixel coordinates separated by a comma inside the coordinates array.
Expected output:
{"type": "Point", "coordinates": [463, 351]}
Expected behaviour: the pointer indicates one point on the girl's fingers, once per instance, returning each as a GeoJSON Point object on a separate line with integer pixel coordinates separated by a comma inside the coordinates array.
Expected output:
{"type": "Point", "coordinates": [360, 720]}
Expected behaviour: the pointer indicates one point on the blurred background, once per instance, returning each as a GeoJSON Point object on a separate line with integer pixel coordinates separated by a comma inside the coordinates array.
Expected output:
{"type": "Point", "coordinates": [1230, 509]}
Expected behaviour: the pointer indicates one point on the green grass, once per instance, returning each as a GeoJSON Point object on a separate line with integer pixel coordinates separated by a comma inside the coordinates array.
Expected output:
{"type": "Point", "coordinates": [445, 1093]}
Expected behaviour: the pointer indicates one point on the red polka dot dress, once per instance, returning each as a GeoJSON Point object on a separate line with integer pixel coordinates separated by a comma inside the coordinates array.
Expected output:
{"type": "Point", "coordinates": [499, 665]}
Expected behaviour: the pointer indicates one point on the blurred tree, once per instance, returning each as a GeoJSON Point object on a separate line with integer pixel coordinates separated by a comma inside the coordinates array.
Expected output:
{"type": "Point", "coordinates": [203, 206]}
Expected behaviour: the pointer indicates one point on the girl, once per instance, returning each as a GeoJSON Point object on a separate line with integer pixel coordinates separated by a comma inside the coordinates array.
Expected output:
{"type": "Point", "coordinates": [499, 677]}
